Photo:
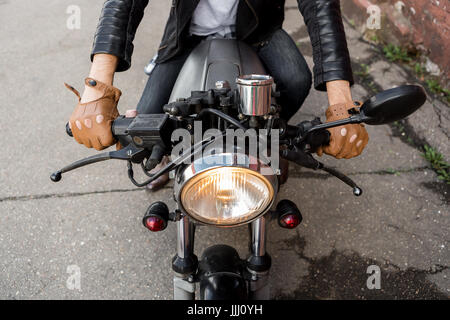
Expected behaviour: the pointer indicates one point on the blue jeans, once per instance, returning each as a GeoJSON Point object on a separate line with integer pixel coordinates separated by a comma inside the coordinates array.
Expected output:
{"type": "Point", "coordinates": [280, 55]}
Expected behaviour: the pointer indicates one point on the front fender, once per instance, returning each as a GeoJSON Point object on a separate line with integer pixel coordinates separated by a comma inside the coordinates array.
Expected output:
{"type": "Point", "coordinates": [221, 274]}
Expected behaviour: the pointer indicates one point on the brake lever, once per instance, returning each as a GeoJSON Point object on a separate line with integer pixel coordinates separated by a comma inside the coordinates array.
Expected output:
{"type": "Point", "coordinates": [306, 160]}
{"type": "Point", "coordinates": [129, 153]}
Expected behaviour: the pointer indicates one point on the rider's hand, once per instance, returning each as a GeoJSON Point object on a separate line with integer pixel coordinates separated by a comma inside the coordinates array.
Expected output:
{"type": "Point", "coordinates": [346, 141]}
{"type": "Point", "coordinates": [92, 118]}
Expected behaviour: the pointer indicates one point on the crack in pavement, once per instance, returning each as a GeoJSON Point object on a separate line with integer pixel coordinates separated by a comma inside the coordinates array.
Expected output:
{"type": "Point", "coordinates": [70, 194]}
{"type": "Point", "coordinates": [294, 174]}
{"type": "Point", "coordinates": [439, 114]}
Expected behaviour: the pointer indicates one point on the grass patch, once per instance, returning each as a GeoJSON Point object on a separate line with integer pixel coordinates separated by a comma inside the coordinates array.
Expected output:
{"type": "Point", "coordinates": [396, 54]}
{"type": "Point", "coordinates": [419, 70]}
{"type": "Point", "coordinates": [436, 88]}
{"type": "Point", "coordinates": [392, 171]}
{"type": "Point", "coordinates": [399, 54]}
{"type": "Point", "coordinates": [363, 72]}
{"type": "Point", "coordinates": [375, 39]}
{"type": "Point", "coordinates": [437, 163]}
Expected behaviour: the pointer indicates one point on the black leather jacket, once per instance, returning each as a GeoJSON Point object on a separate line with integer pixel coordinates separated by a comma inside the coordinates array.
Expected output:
{"type": "Point", "coordinates": [256, 21]}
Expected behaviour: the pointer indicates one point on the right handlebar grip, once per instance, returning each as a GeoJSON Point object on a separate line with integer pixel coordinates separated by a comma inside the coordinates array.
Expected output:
{"type": "Point", "coordinates": [68, 130]}
{"type": "Point", "coordinates": [318, 138]}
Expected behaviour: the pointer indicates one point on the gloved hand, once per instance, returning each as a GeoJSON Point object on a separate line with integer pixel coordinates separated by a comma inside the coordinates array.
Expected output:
{"type": "Point", "coordinates": [91, 122]}
{"type": "Point", "coordinates": [346, 141]}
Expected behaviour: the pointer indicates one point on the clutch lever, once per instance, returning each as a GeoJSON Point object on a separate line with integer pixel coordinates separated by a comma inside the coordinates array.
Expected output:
{"type": "Point", "coordinates": [129, 153]}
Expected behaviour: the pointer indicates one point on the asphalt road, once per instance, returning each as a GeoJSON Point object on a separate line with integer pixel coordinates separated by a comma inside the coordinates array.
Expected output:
{"type": "Point", "coordinates": [92, 218]}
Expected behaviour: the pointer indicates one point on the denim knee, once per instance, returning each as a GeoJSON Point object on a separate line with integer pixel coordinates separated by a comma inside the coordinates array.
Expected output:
{"type": "Point", "coordinates": [300, 85]}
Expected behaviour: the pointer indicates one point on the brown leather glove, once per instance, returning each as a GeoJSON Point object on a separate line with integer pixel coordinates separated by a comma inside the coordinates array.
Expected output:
{"type": "Point", "coordinates": [91, 122]}
{"type": "Point", "coordinates": [346, 141]}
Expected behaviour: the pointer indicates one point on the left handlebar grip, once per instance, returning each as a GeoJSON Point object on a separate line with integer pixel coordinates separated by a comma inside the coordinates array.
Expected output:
{"type": "Point", "coordinates": [68, 130]}
{"type": "Point", "coordinates": [118, 127]}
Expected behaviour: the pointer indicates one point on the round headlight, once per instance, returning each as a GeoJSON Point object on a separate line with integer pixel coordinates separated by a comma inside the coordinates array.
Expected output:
{"type": "Point", "coordinates": [226, 196]}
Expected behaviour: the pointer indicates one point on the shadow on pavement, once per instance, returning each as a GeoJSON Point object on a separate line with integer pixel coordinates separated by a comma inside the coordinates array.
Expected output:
{"type": "Point", "coordinates": [339, 276]}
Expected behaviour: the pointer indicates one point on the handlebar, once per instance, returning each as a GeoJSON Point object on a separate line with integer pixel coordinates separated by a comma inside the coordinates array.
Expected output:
{"type": "Point", "coordinates": [146, 135]}
{"type": "Point", "coordinates": [305, 132]}
{"type": "Point", "coordinates": [140, 135]}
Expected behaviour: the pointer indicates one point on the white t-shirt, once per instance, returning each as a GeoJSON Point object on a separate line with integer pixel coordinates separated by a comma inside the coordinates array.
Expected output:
{"type": "Point", "coordinates": [214, 17]}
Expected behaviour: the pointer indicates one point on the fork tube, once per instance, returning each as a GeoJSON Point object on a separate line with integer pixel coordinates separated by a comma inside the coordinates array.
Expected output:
{"type": "Point", "coordinates": [185, 262]}
{"type": "Point", "coordinates": [259, 262]}
{"type": "Point", "coordinates": [259, 237]}
{"type": "Point", "coordinates": [185, 238]}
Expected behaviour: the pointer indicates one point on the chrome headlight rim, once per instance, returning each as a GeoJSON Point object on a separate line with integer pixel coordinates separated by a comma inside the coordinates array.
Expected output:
{"type": "Point", "coordinates": [188, 172]}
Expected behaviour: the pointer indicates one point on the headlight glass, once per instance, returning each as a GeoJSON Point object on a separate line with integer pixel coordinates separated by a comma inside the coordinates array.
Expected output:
{"type": "Point", "coordinates": [226, 196]}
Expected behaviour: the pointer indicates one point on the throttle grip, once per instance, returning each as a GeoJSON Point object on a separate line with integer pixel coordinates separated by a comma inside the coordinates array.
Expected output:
{"type": "Point", "coordinates": [326, 138]}
{"type": "Point", "coordinates": [314, 138]}
{"type": "Point", "coordinates": [318, 139]}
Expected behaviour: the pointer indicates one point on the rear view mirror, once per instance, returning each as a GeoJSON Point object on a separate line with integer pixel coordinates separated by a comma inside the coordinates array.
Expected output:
{"type": "Point", "coordinates": [392, 104]}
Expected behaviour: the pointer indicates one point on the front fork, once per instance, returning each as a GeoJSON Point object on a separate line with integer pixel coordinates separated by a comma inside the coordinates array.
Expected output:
{"type": "Point", "coordinates": [259, 262]}
{"type": "Point", "coordinates": [185, 263]}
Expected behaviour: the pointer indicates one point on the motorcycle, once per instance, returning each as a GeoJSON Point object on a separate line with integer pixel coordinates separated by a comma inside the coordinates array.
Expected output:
{"type": "Point", "coordinates": [224, 87]}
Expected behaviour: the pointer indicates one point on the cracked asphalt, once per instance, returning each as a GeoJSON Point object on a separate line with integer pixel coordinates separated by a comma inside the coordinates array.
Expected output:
{"type": "Point", "coordinates": [92, 218]}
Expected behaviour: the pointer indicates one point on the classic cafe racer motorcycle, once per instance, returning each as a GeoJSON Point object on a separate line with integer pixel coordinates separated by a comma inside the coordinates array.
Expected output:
{"type": "Point", "coordinates": [223, 85]}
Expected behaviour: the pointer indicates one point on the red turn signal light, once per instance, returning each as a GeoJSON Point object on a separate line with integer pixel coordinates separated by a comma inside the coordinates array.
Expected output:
{"type": "Point", "coordinates": [289, 221]}
{"type": "Point", "coordinates": [156, 217]}
{"type": "Point", "coordinates": [155, 224]}
{"type": "Point", "coordinates": [289, 216]}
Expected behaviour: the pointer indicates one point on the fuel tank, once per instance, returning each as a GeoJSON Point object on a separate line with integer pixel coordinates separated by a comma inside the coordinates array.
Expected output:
{"type": "Point", "coordinates": [215, 60]}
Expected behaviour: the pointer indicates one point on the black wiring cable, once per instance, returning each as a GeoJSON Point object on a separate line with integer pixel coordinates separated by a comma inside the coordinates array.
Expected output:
{"type": "Point", "coordinates": [171, 165]}
{"type": "Point", "coordinates": [223, 116]}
